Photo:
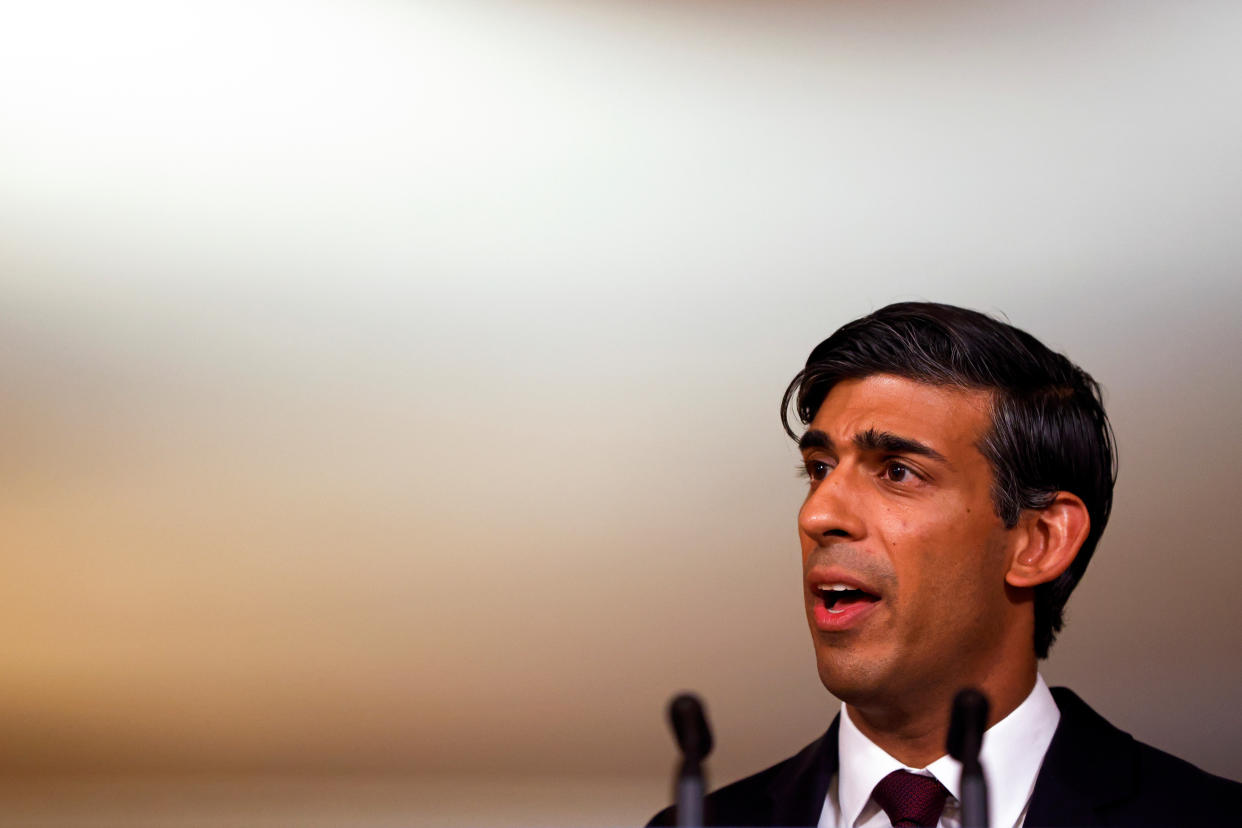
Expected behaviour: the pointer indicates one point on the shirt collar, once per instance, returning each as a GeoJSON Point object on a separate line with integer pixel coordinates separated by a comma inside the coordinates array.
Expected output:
{"type": "Point", "coordinates": [1013, 750]}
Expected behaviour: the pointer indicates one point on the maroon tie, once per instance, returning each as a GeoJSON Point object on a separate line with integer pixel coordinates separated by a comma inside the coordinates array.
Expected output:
{"type": "Point", "coordinates": [911, 800]}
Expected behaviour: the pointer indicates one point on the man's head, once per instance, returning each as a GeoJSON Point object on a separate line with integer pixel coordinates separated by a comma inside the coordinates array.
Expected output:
{"type": "Point", "coordinates": [921, 417]}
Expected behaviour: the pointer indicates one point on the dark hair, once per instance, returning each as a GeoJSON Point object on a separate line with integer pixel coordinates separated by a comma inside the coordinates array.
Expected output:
{"type": "Point", "coordinates": [1049, 432]}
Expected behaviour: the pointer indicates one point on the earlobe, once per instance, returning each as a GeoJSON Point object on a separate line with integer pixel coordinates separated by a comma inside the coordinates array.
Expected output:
{"type": "Point", "coordinates": [1051, 538]}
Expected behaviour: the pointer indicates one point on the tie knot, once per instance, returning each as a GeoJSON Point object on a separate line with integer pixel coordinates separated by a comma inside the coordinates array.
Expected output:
{"type": "Point", "coordinates": [911, 800]}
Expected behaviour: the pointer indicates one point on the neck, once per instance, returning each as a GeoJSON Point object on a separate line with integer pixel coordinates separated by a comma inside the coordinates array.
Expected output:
{"type": "Point", "coordinates": [915, 734]}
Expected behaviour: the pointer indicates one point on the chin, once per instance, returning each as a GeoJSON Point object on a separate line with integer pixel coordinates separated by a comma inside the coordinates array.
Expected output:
{"type": "Point", "coordinates": [850, 678]}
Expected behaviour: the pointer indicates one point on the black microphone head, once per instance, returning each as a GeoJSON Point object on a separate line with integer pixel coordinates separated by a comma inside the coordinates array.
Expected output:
{"type": "Point", "coordinates": [966, 725]}
{"type": "Point", "coordinates": [685, 714]}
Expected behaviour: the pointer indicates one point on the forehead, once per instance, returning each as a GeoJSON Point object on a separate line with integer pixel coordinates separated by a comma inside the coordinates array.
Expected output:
{"type": "Point", "coordinates": [947, 418]}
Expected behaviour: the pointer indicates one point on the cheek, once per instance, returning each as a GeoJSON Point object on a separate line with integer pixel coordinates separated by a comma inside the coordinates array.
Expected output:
{"type": "Point", "coordinates": [933, 562]}
{"type": "Point", "coordinates": [908, 538]}
{"type": "Point", "coordinates": [965, 574]}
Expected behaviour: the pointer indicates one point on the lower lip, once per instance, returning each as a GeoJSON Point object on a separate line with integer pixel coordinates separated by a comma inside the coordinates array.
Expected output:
{"type": "Point", "coordinates": [850, 616]}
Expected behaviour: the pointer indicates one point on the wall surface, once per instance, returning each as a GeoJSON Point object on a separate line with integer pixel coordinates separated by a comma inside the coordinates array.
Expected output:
{"type": "Point", "coordinates": [388, 391]}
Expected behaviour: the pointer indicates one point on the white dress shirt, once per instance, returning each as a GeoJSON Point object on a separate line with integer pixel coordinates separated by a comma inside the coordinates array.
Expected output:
{"type": "Point", "coordinates": [1013, 750]}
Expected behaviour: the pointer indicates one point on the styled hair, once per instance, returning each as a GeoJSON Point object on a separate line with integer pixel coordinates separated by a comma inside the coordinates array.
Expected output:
{"type": "Point", "coordinates": [1048, 430]}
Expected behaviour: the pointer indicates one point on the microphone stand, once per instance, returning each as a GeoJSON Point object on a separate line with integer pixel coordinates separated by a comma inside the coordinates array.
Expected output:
{"type": "Point", "coordinates": [966, 726]}
{"type": "Point", "coordinates": [694, 737]}
{"type": "Point", "coordinates": [690, 790]}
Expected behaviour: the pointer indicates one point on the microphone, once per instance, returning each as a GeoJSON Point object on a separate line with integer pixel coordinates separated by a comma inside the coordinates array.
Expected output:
{"type": "Point", "coordinates": [685, 713]}
{"type": "Point", "coordinates": [966, 726]}
{"type": "Point", "coordinates": [694, 737]}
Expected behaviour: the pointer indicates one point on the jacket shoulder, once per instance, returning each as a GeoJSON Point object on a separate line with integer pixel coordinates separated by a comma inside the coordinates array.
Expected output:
{"type": "Point", "coordinates": [1097, 774]}
{"type": "Point", "coordinates": [1175, 792]}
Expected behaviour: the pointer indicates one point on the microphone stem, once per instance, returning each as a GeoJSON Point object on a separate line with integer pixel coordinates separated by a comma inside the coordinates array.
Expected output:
{"type": "Point", "coordinates": [974, 796]}
{"type": "Point", "coordinates": [689, 794]}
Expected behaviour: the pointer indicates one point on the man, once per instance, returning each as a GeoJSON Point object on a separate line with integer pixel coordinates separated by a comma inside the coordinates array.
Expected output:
{"type": "Point", "coordinates": [960, 475]}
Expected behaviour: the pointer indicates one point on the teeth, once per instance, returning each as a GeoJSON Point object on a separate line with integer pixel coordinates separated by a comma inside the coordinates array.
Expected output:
{"type": "Point", "coordinates": [826, 588]}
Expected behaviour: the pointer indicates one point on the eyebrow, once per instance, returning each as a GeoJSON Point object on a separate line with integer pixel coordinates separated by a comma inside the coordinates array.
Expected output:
{"type": "Point", "coordinates": [873, 440]}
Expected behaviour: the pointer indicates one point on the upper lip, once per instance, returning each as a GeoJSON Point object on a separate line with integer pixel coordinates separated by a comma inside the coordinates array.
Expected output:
{"type": "Point", "coordinates": [823, 576]}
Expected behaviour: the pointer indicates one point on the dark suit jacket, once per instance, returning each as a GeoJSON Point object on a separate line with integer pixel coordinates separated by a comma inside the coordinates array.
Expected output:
{"type": "Point", "coordinates": [1093, 774]}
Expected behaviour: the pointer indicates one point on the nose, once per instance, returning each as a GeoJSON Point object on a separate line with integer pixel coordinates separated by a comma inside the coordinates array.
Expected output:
{"type": "Point", "coordinates": [832, 509]}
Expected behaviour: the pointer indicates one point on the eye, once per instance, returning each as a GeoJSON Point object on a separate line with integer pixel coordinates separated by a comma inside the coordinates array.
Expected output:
{"type": "Point", "coordinates": [814, 470]}
{"type": "Point", "coordinates": [896, 471]}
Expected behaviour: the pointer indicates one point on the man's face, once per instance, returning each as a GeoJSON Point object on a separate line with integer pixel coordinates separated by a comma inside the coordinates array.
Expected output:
{"type": "Point", "coordinates": [900, 512]}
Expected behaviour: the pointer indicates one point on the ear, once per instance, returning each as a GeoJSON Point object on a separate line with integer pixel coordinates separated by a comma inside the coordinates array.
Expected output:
{"type": "Point", "coordinates": [1049, 540]}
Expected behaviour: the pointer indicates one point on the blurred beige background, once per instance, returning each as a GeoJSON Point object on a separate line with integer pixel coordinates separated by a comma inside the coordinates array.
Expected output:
{"type": "Point", "coordinates": [389, 390]}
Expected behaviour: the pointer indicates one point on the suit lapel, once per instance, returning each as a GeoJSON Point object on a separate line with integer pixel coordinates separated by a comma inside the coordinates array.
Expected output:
{"type": "Point", "coordinates": [1089, 765]}
{"type": "Point", "coordinates": [798, 791]}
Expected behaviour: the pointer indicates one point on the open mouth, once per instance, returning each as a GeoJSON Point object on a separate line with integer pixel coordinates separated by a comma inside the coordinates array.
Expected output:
{"type": "Point", "coordinates": [837, 598]}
